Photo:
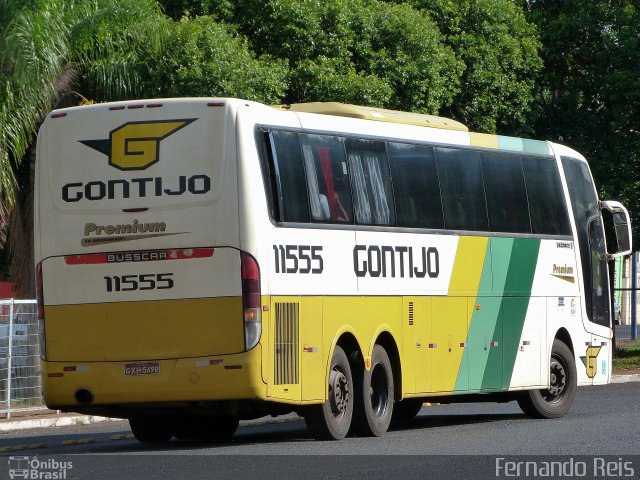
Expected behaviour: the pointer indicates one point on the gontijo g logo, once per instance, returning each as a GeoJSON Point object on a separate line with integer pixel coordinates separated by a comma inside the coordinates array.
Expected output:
{"type": "Point", "coordinates": [131, 147]}
{"type": "Point", "coordinates": [136, 145]}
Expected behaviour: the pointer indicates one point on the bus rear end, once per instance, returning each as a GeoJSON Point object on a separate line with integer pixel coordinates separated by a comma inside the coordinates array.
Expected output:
{"type": "Point", "coordinates": [145, 299]}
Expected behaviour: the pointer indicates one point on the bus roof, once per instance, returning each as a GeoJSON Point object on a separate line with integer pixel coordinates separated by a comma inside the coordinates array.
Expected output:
{"type": "Point", "coordinates": [484, 140]}
{"type": "Point", "coordinates": [373, 113]}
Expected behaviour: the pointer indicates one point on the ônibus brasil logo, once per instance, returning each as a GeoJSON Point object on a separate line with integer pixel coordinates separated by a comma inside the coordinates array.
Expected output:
{"type": "Point", "coordinates": [136, 145]}
{"type": "Point", "coordinates": [35, 468]}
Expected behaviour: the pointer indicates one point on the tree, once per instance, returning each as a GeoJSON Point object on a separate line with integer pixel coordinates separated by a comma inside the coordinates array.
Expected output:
{"type": "Point", "coordinates": [43, 51]}
{"type": "Point", "coordinates": [500, 54]}
{"type": "Point", "coordinates": [362, 51]}
{"type": "Point", "coordinates": [473, 60]}
{"type": "Point", "coordinates": [589, 96]}
{"type": "Point", "coordinates": [202, 57]}
{"type": "Point", "coordinates": [108, 50]}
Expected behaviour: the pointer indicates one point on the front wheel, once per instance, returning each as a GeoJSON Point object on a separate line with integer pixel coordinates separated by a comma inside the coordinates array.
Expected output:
{"type": "Point", "coordinates": [374, 395]}
{"type": "Point", "coordinates": [556, 400]}
{"type": "Point", "coordinates": [332, 419]}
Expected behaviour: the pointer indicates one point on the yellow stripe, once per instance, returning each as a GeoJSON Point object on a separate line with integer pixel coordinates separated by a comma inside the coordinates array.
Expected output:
{"type": "Point", "coordinates": [467, 269]}
{"type": "Point", "coordinates": [483, 140]}
{"type": "Point", "coordinates": [451, 315]}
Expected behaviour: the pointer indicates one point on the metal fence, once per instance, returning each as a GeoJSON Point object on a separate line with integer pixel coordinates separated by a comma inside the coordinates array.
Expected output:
{"type": "Point", "coordinates": [627, 296]}
{"type": "Point", "coordinates": [20, 385]}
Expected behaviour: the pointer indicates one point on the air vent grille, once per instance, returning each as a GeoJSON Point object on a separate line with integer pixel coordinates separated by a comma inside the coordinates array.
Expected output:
{"type": "Point", "coordinates": [410, 313]}
{"type": "Point", "coordinates": [287, 353]}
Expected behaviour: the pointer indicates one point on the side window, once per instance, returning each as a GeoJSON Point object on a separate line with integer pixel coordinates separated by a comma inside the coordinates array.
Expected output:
{"type": "Point", "coordinates": [370, 183]}
{"type": "Point", "coordinates": [415, 185]}
{"type": "Point", "coordinates": [292, 202]}
{"type": "Point", "coordinates": [584, 204]}
{"type": "Point", "coordinates": [599, 274]}
{"type": "Point", "coordinates": [463, 199]}
{"type": "Point", "coordinates": [547, 207]}
{"type": "Point", "coordinates": [327, 178]}
{"type": "Point", "coordinates": [506, 193]}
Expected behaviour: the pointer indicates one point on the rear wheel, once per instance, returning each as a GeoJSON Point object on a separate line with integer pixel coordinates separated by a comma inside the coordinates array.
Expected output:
{"type": "Point", "coordinates": [374, 395]}
{"type": "Point", "coordinates": [556, 400]}
{"type": "Point", "coordinates": [332, 419]}
{"type": "Point", "coordinates": [407, 409]}
{"type": "Point", "coordinates": [151, 429]}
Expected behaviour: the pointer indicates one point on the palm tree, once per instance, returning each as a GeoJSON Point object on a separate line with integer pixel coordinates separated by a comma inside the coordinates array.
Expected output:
{"type": "Point", "coordinates": [48, 48]}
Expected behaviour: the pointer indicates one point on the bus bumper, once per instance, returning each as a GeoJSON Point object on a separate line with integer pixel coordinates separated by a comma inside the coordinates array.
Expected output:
{"type": "Point", "coordinates": [225, 377]}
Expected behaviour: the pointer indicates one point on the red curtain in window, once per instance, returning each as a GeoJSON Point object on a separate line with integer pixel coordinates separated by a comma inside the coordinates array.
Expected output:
{"type": "Point", "coordinates": [325, 166]}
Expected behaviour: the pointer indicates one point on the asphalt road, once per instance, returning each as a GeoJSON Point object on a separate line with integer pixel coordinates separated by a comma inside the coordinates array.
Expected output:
{"type": "Point", "coordinates": [604, 421]}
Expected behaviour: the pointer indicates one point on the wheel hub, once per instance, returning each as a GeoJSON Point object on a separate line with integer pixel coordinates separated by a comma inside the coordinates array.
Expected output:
{"type": "Point", "coordinates": [338, 393]}
{"type": "Point", "coordinates": [558, 379]}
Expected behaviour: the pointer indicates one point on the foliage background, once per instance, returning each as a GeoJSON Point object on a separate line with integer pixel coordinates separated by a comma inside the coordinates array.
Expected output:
{"type": "Point", "coordinates": [565, 71]}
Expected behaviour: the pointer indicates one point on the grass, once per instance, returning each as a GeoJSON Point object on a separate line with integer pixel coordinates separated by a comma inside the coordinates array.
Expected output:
{"type": "Point", "coordinates": [627, 356]}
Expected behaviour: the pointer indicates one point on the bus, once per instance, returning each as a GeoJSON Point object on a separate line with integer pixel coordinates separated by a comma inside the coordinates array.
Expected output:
{"type": "Point", "coordinates": [205, 260]}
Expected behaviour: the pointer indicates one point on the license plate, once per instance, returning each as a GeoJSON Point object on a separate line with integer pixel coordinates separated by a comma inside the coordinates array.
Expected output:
{"type": "Point", "coordinates": [147, 368]}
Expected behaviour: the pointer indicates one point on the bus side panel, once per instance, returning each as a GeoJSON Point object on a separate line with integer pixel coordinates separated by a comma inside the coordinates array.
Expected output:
{"type": "Point", "coordinates": [449, 333]}
{"type": "Point", "coordinates": [557, 282]}
{"type": "Point", "coordinates": [484, 341]}
{"type": "Point", "coordinates": [451, 317]}
{"type": "Point", "coordinates": [521, 345]}
{"type": "Point", "coordinates": [296, 367]}
{"type": "Point", "coordinates": [416, 358]}
{"type": "Point", "coordinates": [524, 362]}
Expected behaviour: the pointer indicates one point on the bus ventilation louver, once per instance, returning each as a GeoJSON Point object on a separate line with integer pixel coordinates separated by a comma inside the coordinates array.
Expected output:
{"type": "Point", "coordinates": [410, 313]}
{"type": "Point", "coordinates": [287, 355]}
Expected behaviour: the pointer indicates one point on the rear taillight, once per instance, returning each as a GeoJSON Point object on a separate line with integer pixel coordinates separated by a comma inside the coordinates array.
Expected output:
{"type": "Point", "coordinates": [251, 301]}
{"type": "Point", "coordinates": [40, 305]}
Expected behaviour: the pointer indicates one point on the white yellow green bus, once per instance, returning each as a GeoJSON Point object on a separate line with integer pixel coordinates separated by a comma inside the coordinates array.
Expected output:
{"type": "Point", "coordinates": [206, 260]}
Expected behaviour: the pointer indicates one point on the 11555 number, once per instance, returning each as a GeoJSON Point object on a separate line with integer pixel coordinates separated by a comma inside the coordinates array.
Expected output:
{"type": "Point", "coordinates": [298, 258]}
{"type": "Point", "coordinates": [145, 281]}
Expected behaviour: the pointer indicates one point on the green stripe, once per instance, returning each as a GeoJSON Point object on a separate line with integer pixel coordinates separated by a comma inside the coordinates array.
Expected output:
{"type": "Point", "coordinates": [523, 145]}
{"type": "Point", "coordinates": [510, 143]}
{"type": "Point", "coordinates": [502, 250]}
{"type": "Point", "coordinates": [522, 267]}
{"type": "Point", "coordinates": [536, 146]}
{"type": "Point", "coordinates": [503, 299]}
{"type": "Point", "coordinates": [472, 365]}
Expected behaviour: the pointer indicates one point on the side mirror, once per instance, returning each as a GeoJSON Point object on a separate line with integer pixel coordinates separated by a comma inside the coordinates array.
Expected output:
{"type": "Point", "coordinates": [617, 228]}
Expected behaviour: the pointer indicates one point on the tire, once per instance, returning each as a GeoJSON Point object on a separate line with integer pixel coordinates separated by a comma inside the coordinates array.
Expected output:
{"type": "Point", "coordinates": [151, 429]}
{"type": "Point", "coordinates": [556, 400]}
{"type": "Point", "coordinates": [407, 409]}
{"type": "Point", "coordinates": [374, 395]}
{"type": "Point", "coordinates": [332, 419]}
{"type": "Point", "coordinates": [216, 428]}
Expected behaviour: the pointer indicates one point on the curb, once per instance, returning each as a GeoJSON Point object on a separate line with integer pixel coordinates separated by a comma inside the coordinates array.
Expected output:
{"type": "Point", "coordinates": [634, 377]}
{"type": "Point", "coordinates": [7, 426]}
{"type": "Point", "coordinates": [49, 422]}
